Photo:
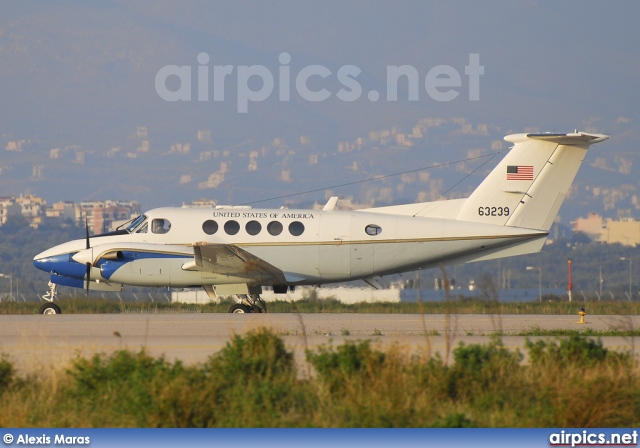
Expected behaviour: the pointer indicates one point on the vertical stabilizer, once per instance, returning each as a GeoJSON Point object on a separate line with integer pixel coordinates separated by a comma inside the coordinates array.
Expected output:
{"type": "Point", "coordinates": [528, 186]}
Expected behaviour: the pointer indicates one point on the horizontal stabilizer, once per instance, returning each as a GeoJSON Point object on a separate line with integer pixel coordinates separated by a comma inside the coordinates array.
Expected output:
{"type": "Point", "coordinates": [576, 138]}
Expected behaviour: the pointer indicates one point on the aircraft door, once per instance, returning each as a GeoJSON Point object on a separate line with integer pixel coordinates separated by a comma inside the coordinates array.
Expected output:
{"type": "Point", "coordinates": [334, 258]}
{"type": "Point", "coordinates": [361, 259]}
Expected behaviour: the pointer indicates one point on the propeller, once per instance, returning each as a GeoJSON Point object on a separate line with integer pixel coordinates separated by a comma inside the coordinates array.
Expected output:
{"type": "Point", "coordinates": [88, 246]}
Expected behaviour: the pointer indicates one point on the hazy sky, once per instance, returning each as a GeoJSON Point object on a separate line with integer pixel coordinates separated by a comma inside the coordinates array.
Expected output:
{"type": "Point", "coordinates": [69, 65]}
{"type": "Point", "coordinates": [85, 75]}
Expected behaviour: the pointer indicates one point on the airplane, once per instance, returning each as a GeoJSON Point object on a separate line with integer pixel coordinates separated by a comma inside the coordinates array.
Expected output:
{"type": "Point", "coordinates": [237, 250]}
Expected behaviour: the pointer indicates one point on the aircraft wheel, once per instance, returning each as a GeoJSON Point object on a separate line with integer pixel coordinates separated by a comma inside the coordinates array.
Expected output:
{"type": "Point", "coordinates": [50, 308]}
{"type": "Point", "coordinates": [240, 308]}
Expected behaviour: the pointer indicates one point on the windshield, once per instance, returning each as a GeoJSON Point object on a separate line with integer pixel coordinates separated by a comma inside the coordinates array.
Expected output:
{"type": "Point", "coordinates": [136, 223]}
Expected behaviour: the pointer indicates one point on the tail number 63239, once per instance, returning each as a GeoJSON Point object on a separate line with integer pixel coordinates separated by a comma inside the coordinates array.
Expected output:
{"type": "Point", "coordinates": [493, 211]}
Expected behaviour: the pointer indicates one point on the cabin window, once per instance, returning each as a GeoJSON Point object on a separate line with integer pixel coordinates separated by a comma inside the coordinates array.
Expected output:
{"type": "Point", "coordinates": [160, 226]}
{"type": "Point", "coordinates": [210, 227]}
{"type": "Point", "coordinates": [231, 227]}
{"type": "Point", "coordinates": [274, 228]}
{"type": "Point", "coordinates": [253, 227]}
{"type": "Point", "coordinates": [373, 230]}
{"type": "Point", "coordinates": [296, 228]}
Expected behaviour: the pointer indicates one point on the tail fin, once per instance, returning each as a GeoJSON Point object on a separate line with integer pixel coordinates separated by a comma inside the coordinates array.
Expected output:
{"type": "Point", "coordinates": [528, 186]}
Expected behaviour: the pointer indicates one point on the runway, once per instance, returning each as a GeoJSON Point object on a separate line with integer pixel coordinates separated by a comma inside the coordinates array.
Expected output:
{"type": "Point", "coordinates": [36, 342]}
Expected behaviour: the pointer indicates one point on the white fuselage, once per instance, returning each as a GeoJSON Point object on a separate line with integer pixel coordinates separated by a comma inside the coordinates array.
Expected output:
{"type": "Point", "coordinates": [313, 246]}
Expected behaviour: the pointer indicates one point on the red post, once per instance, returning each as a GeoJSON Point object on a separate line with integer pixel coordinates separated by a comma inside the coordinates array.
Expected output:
{"type": "Point", "coordinates": [569, 280]}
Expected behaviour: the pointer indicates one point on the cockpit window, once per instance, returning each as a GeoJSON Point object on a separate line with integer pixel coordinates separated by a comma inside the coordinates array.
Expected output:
{"type": "Point", "coordinates": [136, 224]}
{"type": "Point", "coordinates": [159, 225]}
{"type": "Point", "coordinates": [143, 228]}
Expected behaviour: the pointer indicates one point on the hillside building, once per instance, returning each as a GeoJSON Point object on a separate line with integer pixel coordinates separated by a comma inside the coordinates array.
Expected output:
{"type": "Point", "coordinates": [625, 231]}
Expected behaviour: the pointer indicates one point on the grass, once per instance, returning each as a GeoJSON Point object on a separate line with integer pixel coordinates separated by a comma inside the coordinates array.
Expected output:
{"type": "Point", "coordinates": [253, 382]}
{"type": "Point", "coordinates": [537, 331]}
{"type": "Point", "coordinates": [454, 305]}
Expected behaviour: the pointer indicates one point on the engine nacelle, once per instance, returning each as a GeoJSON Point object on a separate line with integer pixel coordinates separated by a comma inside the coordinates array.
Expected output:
{"type": "Point", "coordinates": [117, 255]}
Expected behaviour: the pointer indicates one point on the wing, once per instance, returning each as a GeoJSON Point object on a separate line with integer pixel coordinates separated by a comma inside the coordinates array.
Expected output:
{"type": "Point", "coordinates": [228, 259]}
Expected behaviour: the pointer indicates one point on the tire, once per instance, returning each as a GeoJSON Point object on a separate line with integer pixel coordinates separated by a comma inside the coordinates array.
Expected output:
{"type": "Point", "coordinates": [239, 308]}
{"type": "Point", "coordinates": [50, 308]}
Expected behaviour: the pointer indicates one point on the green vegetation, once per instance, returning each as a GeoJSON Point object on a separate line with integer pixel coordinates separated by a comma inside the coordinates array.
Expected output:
{"type": "Point", "coordinates": [19, 243]}
{"type": "Point", "coordinates": [254, 382]}
{"type": "Point", "coordinates": [575, 350]}
{"type": "Point", "coordinates": [250, 382]}
{"type": "Point", "coordinates": [72, 305]}
{"type": "Point", "coordinates": [6, 373]}
{"type": "Point", "coordinates": [537, 331]}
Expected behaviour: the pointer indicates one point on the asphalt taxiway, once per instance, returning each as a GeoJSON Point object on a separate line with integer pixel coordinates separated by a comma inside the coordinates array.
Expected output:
{"type": "Point", "coordinates": [37, 341]}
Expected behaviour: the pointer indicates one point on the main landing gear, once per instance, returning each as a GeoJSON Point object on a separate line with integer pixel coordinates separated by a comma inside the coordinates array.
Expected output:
{"type": "Point", "coordinates": [50, 308]}
{"type": "Point", "coordinates": [251, 303]}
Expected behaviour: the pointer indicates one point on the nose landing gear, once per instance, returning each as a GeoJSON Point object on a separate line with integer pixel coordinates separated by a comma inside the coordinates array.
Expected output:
{"type": "Point", "coordinates": [50, 296]}
{"type": "Point", "coordinates": [50, 308]}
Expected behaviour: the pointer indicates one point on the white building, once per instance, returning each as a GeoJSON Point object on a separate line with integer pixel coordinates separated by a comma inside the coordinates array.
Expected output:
{"type": "Point", "coordinates": [342, 293]}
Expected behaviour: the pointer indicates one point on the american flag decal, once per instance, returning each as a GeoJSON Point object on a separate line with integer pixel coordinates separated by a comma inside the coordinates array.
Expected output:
{"type": "Point", "coordinates": [519, 172]}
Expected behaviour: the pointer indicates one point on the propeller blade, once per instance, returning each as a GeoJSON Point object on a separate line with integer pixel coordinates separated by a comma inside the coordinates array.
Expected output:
{"type": "Point", "coordinates": [86, 226]}
{"type": "Point", "coordinates": [88, 278]}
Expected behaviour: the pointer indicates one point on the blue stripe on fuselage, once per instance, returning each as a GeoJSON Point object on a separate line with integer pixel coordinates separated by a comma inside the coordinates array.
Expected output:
{"type": "Point", "coordinates": [61, 264]}
{"type": "Point", "coordinates": [65, 266]}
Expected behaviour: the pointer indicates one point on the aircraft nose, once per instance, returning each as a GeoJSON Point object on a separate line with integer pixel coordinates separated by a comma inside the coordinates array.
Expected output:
{"type": "Point", "coordinates": [61, 264]}
{"type": "Point", "coordinates": [42, 263]}
{"type": "Point", "coordinates": [45, 263]}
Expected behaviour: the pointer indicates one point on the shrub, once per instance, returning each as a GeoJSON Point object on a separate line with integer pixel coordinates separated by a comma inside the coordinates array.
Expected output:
{"type": "Point", "coordinates": [352, 359]}
{"type": "Point", "coordinates": [454, 420]}
{"type": "Point", "coordinates": [253, 382]}
{"type": "Point", "coordinates": [574, 350]}
{"type": "Point", "coordinates": [124, 382]}
{"type": "Point", "coordinates": [583, 383]}
{"type": "Point", "coordinates": [259, 355]}
{"type": "Point", "coordinates": [481, 367]}
{"type": "Point", "coordinates": [475, 358]}
{"type": "Point", "coordinates": [349, 358]}
{"type": "Point", "coordinates": [7, 373]}
{"type": "Point", "coordinates": [358, 386]}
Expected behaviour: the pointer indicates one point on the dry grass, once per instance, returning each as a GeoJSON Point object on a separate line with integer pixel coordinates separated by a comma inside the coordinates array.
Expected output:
{"type": "Point", "coordinates": [487, 304]}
